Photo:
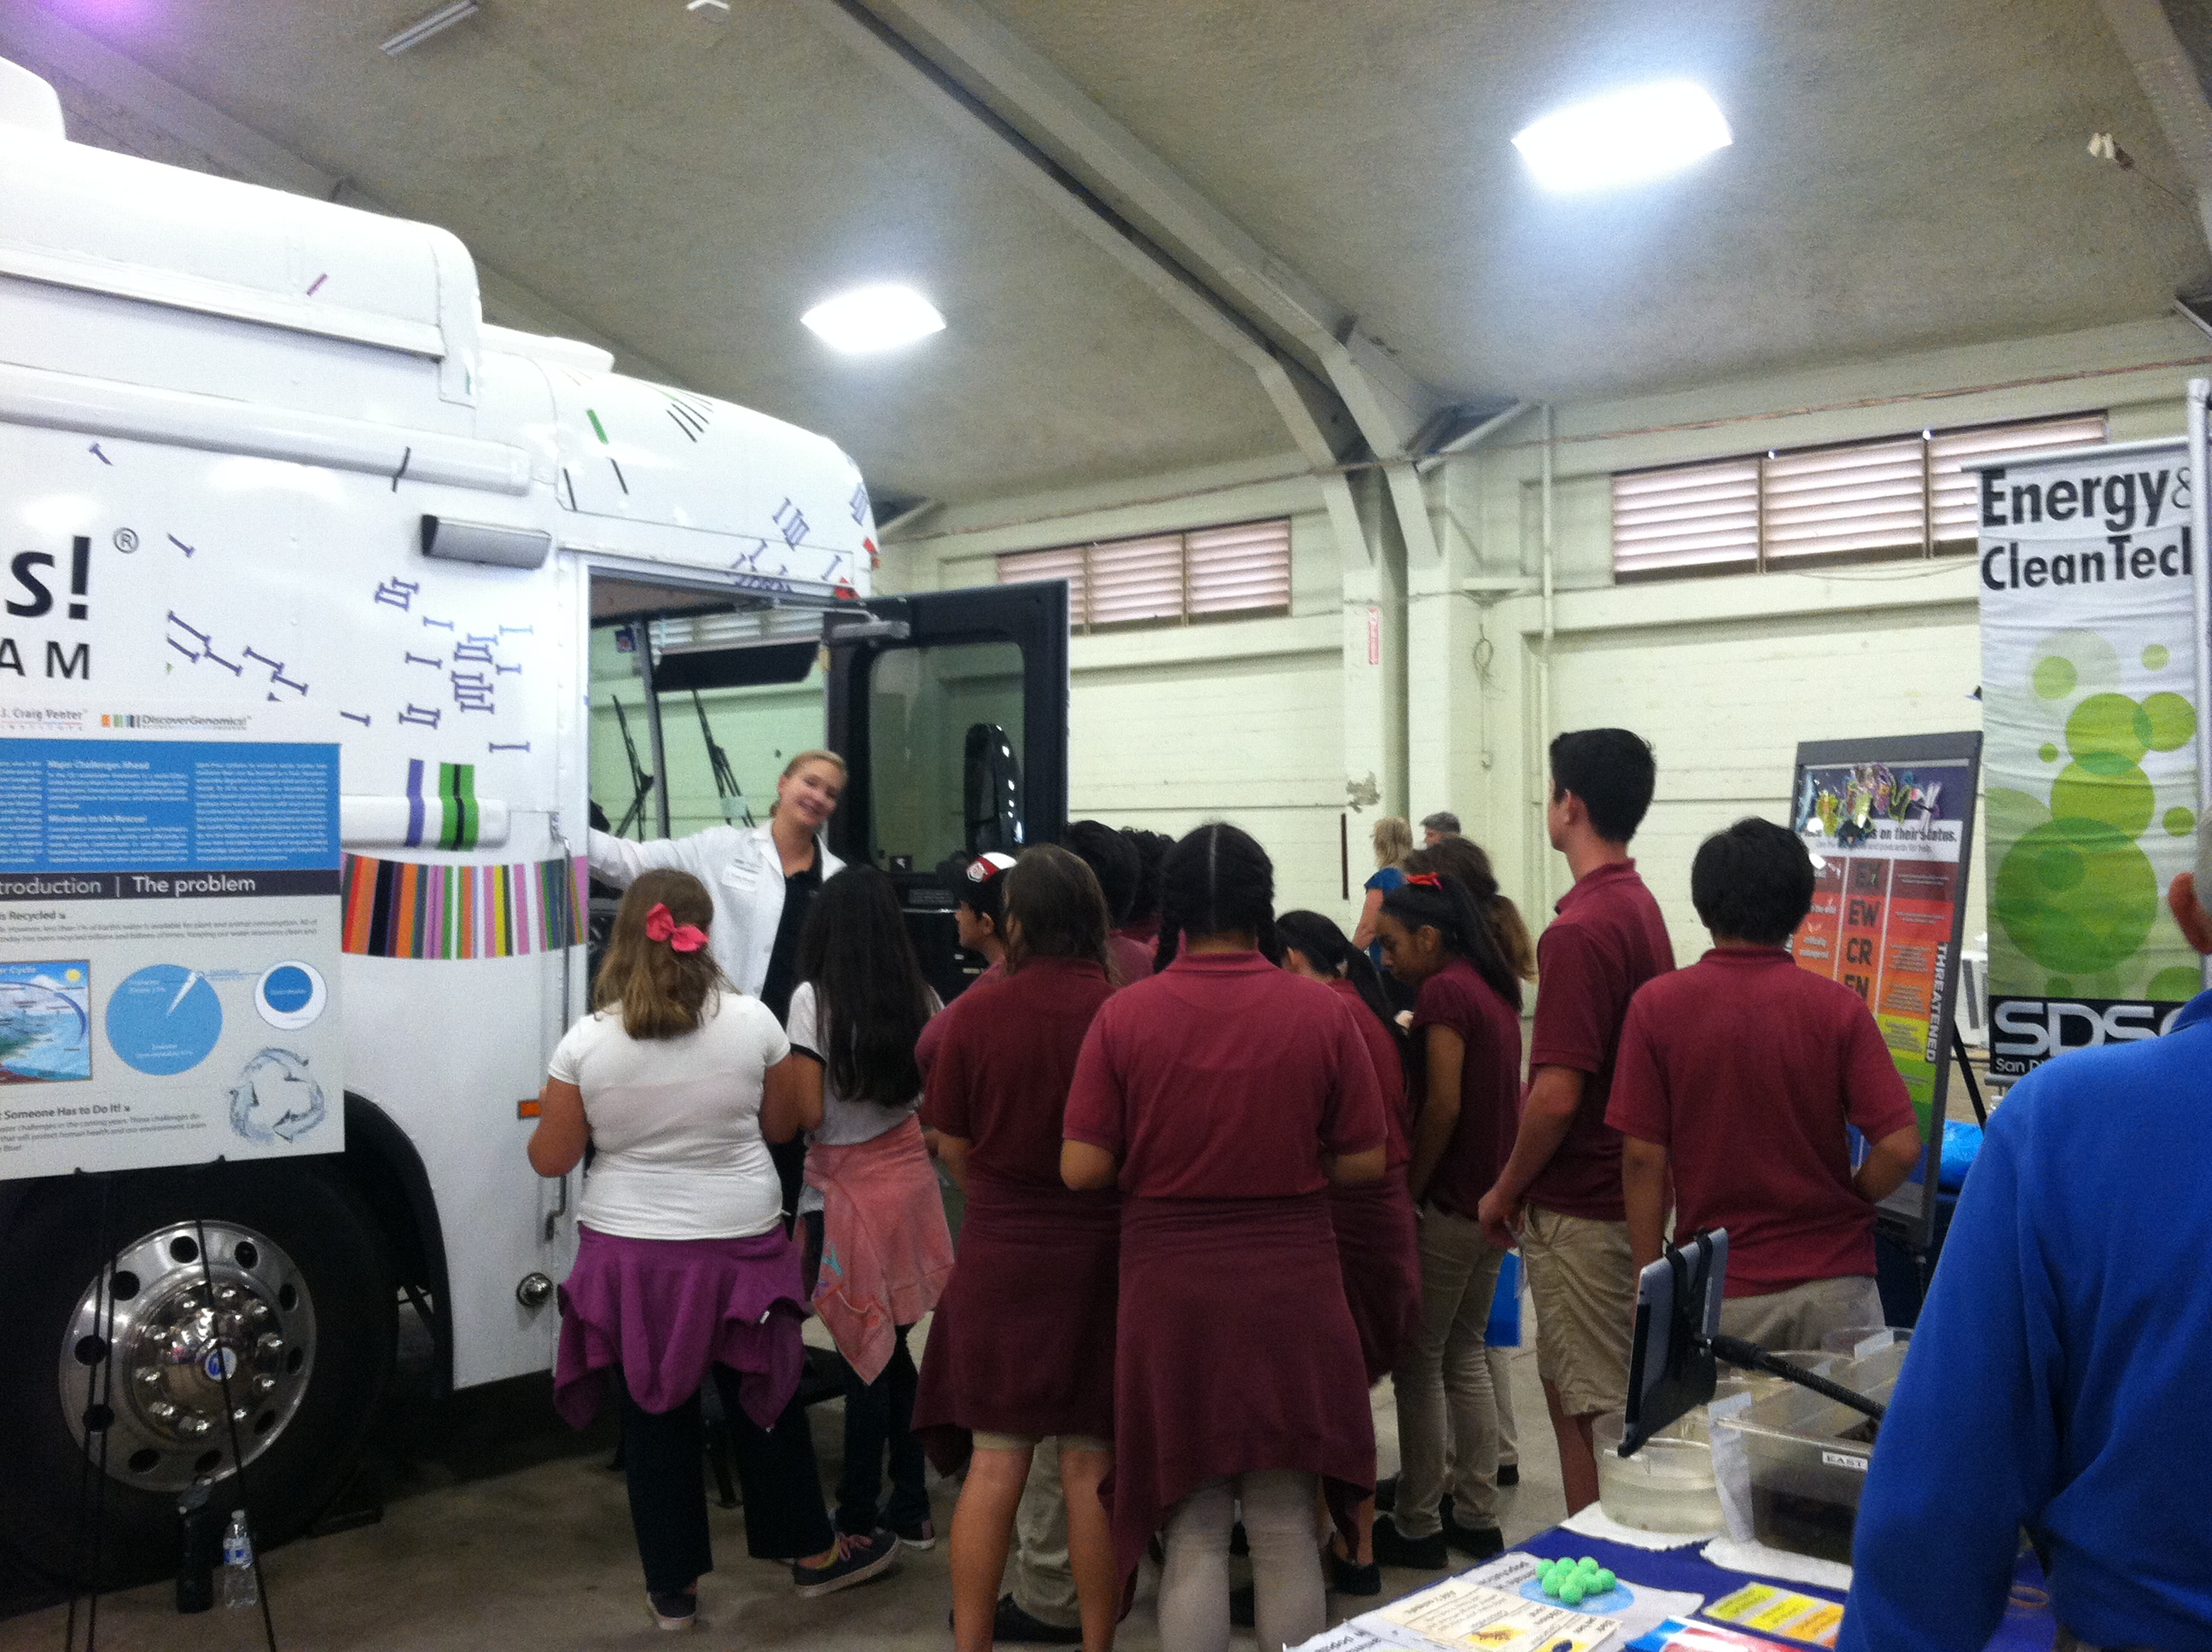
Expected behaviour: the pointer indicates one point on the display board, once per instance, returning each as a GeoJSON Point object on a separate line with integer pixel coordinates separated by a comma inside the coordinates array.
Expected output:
{"type": "Point", "coordinates": [169, 939]}
{"type": "Point", "coordinates": [1890, 824]}
{"type": "Point", "coordinates": [2087, 690]}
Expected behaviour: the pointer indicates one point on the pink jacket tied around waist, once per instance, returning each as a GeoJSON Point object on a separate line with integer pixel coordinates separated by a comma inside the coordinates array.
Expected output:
{"type": "Point", "coordinates": [887, 1252]}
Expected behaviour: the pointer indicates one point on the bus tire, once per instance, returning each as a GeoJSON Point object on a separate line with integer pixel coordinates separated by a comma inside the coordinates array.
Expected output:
{"type": "Point", "coordinates": [291, 1314]}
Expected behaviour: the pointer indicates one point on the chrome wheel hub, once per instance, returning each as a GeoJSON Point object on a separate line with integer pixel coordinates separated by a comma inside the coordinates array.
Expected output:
{"type": "Point", "coordinates": [176, 1366]}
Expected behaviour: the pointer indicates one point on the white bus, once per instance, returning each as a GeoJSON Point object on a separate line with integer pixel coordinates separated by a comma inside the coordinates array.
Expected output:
{"type": "Point", "coordinates": [254, 446]}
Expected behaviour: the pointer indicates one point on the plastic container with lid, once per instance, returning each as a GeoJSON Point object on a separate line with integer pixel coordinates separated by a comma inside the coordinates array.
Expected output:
{"type": "Point", "coordinates": [1807, 1457]}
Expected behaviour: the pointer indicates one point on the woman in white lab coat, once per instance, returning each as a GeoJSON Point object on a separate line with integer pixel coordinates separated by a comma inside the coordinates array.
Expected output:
{"type": "Point", "coordinates": [763, 878]}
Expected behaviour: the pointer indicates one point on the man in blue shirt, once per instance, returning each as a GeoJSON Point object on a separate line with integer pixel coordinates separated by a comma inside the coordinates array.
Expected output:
{"type": "Point", "coordinates": [2061, 1378]}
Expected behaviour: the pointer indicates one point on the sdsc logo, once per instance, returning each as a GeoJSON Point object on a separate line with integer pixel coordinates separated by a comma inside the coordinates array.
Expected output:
{"type": "Point", "coordinates": [2026, 1032]}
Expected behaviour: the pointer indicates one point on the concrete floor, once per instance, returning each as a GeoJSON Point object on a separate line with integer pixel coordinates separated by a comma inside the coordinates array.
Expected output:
{"type": "Point", "coordinates": [503, 1530]}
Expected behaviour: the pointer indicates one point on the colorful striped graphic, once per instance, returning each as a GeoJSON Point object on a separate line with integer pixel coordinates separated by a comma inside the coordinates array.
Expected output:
{"type": "Point", "coordinates": [404, 909]}
{"type": "Point", "coordinates": [458, 818]}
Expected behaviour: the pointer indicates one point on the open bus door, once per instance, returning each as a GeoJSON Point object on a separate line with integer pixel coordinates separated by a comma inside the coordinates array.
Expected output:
{"type": "Point", "coordinates": [952, 708]}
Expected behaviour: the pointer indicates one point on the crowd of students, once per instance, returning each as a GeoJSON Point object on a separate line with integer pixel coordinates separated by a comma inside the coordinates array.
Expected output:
{"type": "Point", "coordinates": [1221, 1177]}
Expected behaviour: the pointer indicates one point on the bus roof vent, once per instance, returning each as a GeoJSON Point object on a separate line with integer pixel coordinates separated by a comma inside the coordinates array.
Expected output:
{"type": "Point", "coordinates": [28, 102]}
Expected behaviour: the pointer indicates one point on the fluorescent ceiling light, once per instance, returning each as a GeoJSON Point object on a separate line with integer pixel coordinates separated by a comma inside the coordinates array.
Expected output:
{"type": "Point", "coordinates": [713, 11]}
{"type": "Point", "coordinates": [876, 317]}
{"type": "Point", "coordinates": [1623, 137]}
{"type": "Point", "coordinates": [421, 30]}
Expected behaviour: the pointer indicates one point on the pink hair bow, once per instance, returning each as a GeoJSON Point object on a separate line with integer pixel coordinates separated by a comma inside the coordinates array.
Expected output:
{"type": "Point", "coordinates": [661, 925]}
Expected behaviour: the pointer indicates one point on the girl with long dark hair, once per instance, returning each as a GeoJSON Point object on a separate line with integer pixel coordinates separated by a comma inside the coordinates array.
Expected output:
{"type": "Point", "coordinates": [1377, 1242]}
{"type": "Point", "coordinates": [1022, 1349]}
{"type": "Point", "coordinates": [1438, 939]}
{"type": "Point", "coordinates": [885, 1251]}
{"type": "Point", "coordinates": [1224, 1096]}
{"type": "Point", "coordinates": [684, 1268]}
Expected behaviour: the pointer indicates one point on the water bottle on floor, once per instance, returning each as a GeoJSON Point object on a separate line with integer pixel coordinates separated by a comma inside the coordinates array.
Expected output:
{"type": "Point", "coordinates": [238, 1585]}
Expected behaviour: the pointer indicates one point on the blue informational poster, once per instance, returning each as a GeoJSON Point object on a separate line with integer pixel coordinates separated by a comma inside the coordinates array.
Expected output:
{"type": "Point", "coordinates": [169, 941]}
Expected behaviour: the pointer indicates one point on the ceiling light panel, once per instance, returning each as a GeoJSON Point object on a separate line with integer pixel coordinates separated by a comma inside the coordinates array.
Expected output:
{"type": "Point", "coordinates": [1623, 137]}
{"type": "Point", "coordinates": [866, 319]}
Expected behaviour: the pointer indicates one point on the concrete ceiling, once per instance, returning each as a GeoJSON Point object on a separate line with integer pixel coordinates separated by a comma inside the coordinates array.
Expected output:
{"type": "Point", "coordinates": [1904, 175]}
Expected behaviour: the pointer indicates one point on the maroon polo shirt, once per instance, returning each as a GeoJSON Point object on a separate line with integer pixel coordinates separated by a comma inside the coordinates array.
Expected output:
{"type": "Point", "coordinates": [1000, 1076]}
{"type": "Point", "coordinates": [1224, 1076]}
{"type": "Point", "coordinates": [1132, 956]}
{"type": "Point", "coordinates": [935, 1030]}
{"type": "Point", "coordinates": [1457, 997]}
{"type": "Point", "coordinates": [1606, 941]}
{"type": "Point", "coordinates": [1746, 1068]}
{"type": "Point", "coordinates": [1389, 1074]}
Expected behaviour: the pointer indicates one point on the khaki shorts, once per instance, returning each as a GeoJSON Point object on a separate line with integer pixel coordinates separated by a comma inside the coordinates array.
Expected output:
{"type": "Point", "coordinates": [1801, 1317]}
{"type": "Point", "coordinates": [986, 1441]}
{"type": "Point", "coordinates": [1581, 1279]}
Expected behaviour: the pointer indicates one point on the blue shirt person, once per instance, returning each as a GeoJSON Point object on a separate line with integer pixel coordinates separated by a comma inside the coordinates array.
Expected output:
{"type": "Point", "coordinates": [2061, 1376]}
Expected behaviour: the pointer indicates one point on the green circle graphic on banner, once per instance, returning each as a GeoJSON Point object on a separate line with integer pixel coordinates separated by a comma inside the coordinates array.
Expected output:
{"type": "Point", "coordinates": [2155, 658]}
{"type": "Point", "coordinates": [2050, 752]}
{"type": "Point", "coordinates": [2123, 800]}
{"type": "Point", "coordinates": [2179, 822]}
{"type": "Point", "coordinates": [2108, 734]}
{"type": "Point", "coordinates": [2074, 661]}
{"type": "Point", "coordinates": [2173, 721]}
{"type": "Point", "coordinates": [2077, 895]}
{"type": "Point", "coordinates": [2177, 984]}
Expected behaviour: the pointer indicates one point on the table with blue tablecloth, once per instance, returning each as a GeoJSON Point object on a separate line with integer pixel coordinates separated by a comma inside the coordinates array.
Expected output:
{"type": "Point", "coordinates": [2028, 1625]}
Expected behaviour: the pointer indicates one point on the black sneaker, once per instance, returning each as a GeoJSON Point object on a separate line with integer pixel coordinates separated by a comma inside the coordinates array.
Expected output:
{"type": "Point", "coordinates": [857, 1560]}
{"type": "Point", "coordinates": [675, 1609]}
{"type": "Point", "coordinates": [1010, 1623]}
{"type": "Point", "coordinates": [1345, 1577]}
{"type": "Point", "coordinates": [1393, 1548]}
{"type": "Point", "coordinates": [1509, 1474]}
{"type": "Point", "coordinates": [1478, 1542]}
{"type": "Point", "coordinates": [1386, 1499]}
{"type": "Point", "coordinates": [918, 1535]}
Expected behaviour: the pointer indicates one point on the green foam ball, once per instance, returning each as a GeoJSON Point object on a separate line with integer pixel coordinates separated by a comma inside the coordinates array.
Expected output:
{"type": "Point", "coordinates": [1588, 1563]}
{"type": "Point", "coordinates": [1571, 1593]}
{"type": "Point", "coordinates": [1606, 1579]}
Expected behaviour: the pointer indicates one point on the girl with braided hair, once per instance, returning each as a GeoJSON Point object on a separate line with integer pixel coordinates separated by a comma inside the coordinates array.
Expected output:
{"type": "Point", "coordinates": [1467, 1050]}
{"type": "Point", "coordinates": [1225, 1096]}
{"type": "Point", "coordinates": [1377, 1242]}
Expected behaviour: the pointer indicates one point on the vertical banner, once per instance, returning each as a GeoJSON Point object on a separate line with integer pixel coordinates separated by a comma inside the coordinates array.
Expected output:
{"type": "Point", "coordinates": [2088, 673]}
{"type": "Point", "coordinates": [169, 940]}
{"type": "Point", "coordinates": [1890, 825]}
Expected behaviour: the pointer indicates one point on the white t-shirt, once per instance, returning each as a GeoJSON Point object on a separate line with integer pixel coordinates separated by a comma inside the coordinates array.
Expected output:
{"type": "Point", "coordinates": [843, 1123]}
{"type": "Point", "coordinates": [676, 1122]}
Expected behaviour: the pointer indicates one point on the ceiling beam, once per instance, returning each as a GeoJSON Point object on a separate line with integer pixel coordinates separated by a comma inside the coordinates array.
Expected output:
{"type": "Point", "coordinates": [2174, 82]}
{"type": "Point", "coordinates": [1049, 109]}
{"type": "Point", "coordinates": [29, 34]}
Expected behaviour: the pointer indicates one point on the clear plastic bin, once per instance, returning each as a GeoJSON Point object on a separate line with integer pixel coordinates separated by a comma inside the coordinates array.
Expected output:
{"type": "Point", "coordinates": [1809, 1456]}
{"type": "Point", "coordinates": [1667, 1486]}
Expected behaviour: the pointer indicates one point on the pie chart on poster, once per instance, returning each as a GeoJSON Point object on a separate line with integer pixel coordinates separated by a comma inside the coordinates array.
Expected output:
{"type": "Point", "coordinates": [164, 1018]}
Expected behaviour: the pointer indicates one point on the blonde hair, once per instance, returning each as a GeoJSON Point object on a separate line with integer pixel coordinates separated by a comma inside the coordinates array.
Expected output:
{"type": "Point", "coordinates": [814, 757]}
{"type": "Point", "coordinates": [660, 991]}
{"type": "Point", "coordinates": [1394, 841]}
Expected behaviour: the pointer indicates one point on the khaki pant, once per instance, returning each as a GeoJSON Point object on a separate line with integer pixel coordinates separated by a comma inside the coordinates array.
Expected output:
{"type": "Point", "coordinates": [1037, 1572]}
{"type": "Point", "coordinates": [1798, 1318]}
{"type": "Point", "coordinates": [1447, 1411]}
{"type": "Point", "coordinates": [1500, 1361]}
{"type": "Point", "coordinates": [1582, 1276]}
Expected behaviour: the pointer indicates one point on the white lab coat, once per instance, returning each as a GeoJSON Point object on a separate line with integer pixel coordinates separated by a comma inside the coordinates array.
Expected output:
{"type": "Point", "coordinates": [741, 869]}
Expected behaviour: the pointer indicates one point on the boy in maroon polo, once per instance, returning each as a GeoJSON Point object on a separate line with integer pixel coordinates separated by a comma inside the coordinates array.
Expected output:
{"type": "Point", "coordinates": [1559, 1195]}
{"type": "Point", "coordinates": [1738, 1075]}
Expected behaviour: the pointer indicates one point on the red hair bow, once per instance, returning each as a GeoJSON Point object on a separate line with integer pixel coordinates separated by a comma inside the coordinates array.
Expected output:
{"type": "Point", "coordinates": [1425, 880]}
{"type": "Point", "coordinates": [660, 924]}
